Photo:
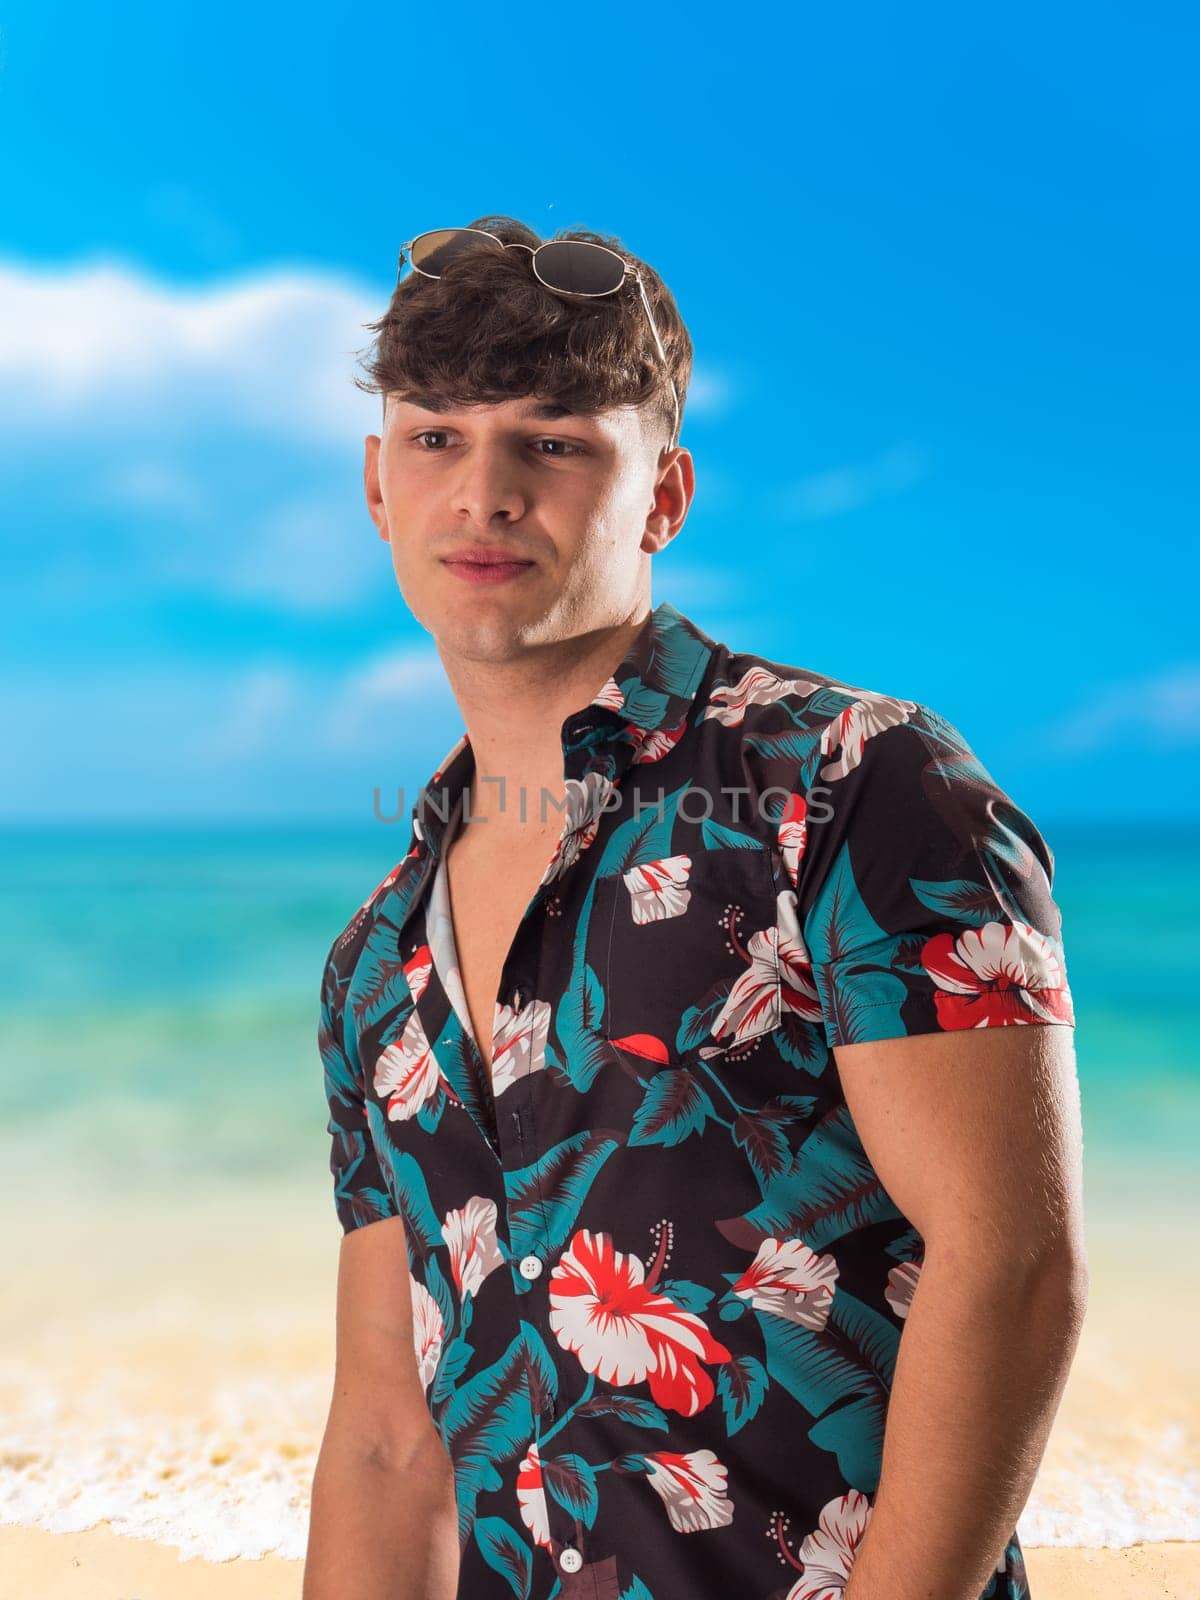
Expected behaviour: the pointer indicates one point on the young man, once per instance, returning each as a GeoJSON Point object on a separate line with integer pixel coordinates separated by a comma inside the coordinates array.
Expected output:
{"type": "Point", "coordinates": [696, 1051]}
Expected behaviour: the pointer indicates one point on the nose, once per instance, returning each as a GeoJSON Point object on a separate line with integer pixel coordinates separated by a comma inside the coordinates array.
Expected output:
{"type": "Point", "coordinates": [487, 486]}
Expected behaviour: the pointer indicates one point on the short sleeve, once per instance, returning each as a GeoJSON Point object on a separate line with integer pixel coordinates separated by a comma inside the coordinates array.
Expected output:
{"type": "Point", "coordinates": [361, 1192]}
{"type": "Point", "coordinates": [923, 892]}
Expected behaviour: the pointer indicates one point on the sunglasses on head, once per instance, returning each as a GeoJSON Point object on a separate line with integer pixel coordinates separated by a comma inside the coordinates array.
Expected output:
{"type": "Point", "coordinates": [567, 266]}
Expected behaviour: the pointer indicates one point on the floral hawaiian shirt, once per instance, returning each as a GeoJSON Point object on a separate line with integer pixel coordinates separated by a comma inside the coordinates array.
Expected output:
{"type": "Point", "coordinates": [658, 1289]}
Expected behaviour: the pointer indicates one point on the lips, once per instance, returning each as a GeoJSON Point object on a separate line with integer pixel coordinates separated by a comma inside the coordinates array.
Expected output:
{"type": "Point", "coordinates": [489, 558]}
{"type": "Point", "coordinates": [488, 567]}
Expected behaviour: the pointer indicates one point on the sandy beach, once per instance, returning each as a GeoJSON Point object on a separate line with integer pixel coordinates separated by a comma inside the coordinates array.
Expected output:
{"type": "Point", "coordinates": [166, 1375]}
{"type": "Point", "coordinates": [100, 1565]}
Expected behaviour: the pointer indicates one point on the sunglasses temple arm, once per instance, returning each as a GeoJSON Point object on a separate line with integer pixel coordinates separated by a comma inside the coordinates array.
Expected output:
{"type": "Point", "coordinates": [662, 355]}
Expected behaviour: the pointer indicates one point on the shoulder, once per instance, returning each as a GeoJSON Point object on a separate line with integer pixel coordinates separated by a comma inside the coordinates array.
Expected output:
{"type": "Point", "coordinates": [754, 689]}
{"type": "Point", "coordinates": [814, 727]}
{"type": "Point", "coordinates": [347, 947]}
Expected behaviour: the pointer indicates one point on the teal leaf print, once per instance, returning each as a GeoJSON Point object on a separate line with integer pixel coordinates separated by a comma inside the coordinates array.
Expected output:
{"type": "Point", "coordinates": [791, 748]}
{"type": "Point", "coordinates": [673, 1106]}
{"type": "Point", "coordinates": [800, 1105]}
{"type": "Point", "coordinates": [852, 1009]}
{"type": "Point", "coordinates": [348, 1152]}
{"type": "Point", "coordinates": [959, 898]}
{"type": "Point", "coordinates": [842, 1377]}
{"type": "Point", "coordinates": [637, 1590]}
{"type": "Point", "coordinates": [854, 1434]}
{"type": "Point", "coordinates": [802, 1044]}
{"type": "Point", "coordinates": [695, 1026]}
{"type": "Point", "coordinates": [687, 1296]}
{"type": "Point", "coordinates": [875, 1336]}
{"type": "Point", "coordinates": [370, 1204]}
{"type": "Point", "coordinates": [541, 1373]}
{"type": "Point", "coordinates": [572, 1482]}
{"type": "Point", "coordinates": [502, 1547]}
{"type": "Point", "coordinates": [642, 839]}
{"type": "Point", "coordinates": [412, 1192]}
{"type": "Point", "coordinates": [486, 1422]}
{"type": "Point", "coordinates": [839, 925]}
{"type": "Point", "coordinates": [577, 1021]}
{"type": "Point", "coordinates": [439, 1287]}
{"type": "Point", "coordinates": [455, 1056]}
{"type": "Point", "coordinates": [544, 1199]}
{"type": "Point", "coordinates": [379, 985]}
{"type": "Point", "coordinates": [639, 1413]}
{"type": "Point", "coordinates": [717, 837]}
{"type": "Point", "coordinates": [830, 1190]}
{"type": "Point", "coordinates": [430, 1113]}
{"type": "Point", "coordinates": [341, 1075]}
{"type": "Point", "coordinates": [672, 661]}
{"type": "Point", "coordinates": [741, 1385]}
{"type": "Point", "coordinates": [645, 706]}
{"type": "Point", "coordinates": [1010, 840]}
{"type": "Point", "coordinates": [819, 1370]}
{"type": "Point", "coordinates": [456, 1358]}
{"type": "Point", "coordinates": [761, 1135]}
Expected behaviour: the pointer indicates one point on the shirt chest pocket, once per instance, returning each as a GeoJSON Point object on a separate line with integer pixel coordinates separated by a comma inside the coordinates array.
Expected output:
{"type": "Point", "coordinates": [688, 953]}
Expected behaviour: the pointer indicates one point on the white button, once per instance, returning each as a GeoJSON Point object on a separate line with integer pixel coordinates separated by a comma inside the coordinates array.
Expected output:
{"type": "Point", "coordinates": [570, 1560]}
{"type": "Point", "coordinates": [531, 1267]}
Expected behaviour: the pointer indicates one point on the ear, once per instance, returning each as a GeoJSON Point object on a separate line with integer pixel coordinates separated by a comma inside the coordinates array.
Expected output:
{"type": "Point", "coordinates": [674, 488]}
{"type": "Point", "coordinates": [371, 488]}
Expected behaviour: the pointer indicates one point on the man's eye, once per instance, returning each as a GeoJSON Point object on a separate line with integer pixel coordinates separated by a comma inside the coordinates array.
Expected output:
{"type": "Point", "coordinates": [564, 446]}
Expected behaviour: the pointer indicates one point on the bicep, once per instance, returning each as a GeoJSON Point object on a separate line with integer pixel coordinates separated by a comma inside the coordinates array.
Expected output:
{"type": "Point", "coordinates": [975, 1135]}
{"type": "Point", "coordinates": [378, 1395]}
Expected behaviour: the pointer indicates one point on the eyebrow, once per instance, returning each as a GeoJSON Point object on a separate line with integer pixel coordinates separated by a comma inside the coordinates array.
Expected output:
{"type": "Point", "coordinates": [535, 410]}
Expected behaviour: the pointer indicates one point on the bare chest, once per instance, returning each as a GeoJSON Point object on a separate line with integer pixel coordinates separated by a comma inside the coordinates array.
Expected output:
{"type": "Point", "coordinates": [490, 885]}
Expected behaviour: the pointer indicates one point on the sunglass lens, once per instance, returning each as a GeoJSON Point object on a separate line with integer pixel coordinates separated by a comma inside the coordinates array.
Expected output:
{"type": "Point", "coordinates": [433, 252]}
{"type": "Point", "coordinates": [576, 267]}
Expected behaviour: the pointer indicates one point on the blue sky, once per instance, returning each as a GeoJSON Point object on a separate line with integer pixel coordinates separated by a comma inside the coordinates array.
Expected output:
{"type": "Point", "coordinates": [941, 275]}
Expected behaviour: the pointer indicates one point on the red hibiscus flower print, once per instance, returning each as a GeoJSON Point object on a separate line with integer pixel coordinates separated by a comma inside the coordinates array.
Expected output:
{"type": "Point", "coordinates": [1000, 973]}
{"type": "Point", "coordinates": [624, 1332]}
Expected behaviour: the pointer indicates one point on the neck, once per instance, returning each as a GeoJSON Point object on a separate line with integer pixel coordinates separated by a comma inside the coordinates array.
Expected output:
{"type": "Point", "coordinates": [513, 715]}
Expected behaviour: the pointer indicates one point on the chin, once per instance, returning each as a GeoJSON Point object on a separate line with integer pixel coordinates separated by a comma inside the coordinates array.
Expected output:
{"type": "Point", "coordinates": [479, 630]}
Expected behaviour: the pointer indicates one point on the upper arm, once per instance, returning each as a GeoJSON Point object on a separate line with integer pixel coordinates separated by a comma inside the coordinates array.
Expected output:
{"type": "Point", "coordinates": [924, 900]}
{"type": "Point", "coordinates": [976, 1136]}
{"type": "Point", "coordinates": [378, 1394]}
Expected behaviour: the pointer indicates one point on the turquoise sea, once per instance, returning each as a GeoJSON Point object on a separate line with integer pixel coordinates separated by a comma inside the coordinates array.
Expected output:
{"type": "Point", "coordinates": [158, 999]}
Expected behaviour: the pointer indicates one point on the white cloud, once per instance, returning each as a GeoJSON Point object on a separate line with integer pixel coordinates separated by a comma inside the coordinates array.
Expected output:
{"type": "Point", "coordinates": [848, 488]}
{"type": "Point", "coordinates": [103, 342]}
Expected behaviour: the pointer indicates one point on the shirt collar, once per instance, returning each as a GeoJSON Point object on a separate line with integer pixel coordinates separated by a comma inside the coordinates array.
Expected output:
{"type": "Point", "coordinates": [649, 692]}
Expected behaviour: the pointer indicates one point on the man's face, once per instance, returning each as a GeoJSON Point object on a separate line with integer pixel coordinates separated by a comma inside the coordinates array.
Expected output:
{"type": "Point", "coordinates": [581, 502]}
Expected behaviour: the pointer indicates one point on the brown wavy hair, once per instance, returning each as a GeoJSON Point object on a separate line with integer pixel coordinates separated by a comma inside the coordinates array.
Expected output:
{"type": "Point", "coordinates": [487, 331]}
